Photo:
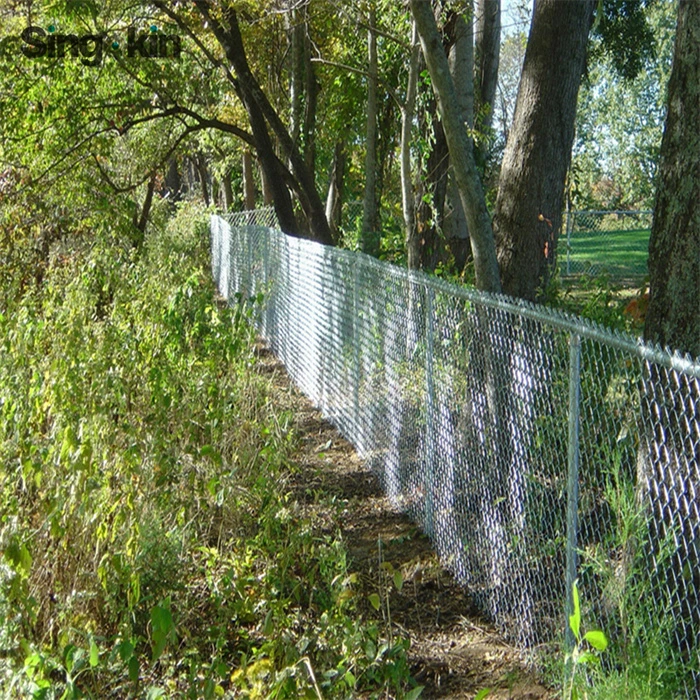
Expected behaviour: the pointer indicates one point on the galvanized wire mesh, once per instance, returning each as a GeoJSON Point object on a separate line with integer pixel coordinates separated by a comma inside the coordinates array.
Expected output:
{"type": "Point", "coordinates": [606, 242]}
{"type": "Point", "coordinates": [533, 447]}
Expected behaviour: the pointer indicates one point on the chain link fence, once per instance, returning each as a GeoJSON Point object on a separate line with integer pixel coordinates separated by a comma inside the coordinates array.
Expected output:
{"type": "Point", "coordinates": [606, 242]}
{"type": "Point", "coordinates": [535, 448]}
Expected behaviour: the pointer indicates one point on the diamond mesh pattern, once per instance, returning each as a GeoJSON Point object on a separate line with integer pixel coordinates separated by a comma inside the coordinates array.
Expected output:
{"type": "Point", "coordinates": [522, 440]}
{"type": "Point", "coordinates": [612, 242]}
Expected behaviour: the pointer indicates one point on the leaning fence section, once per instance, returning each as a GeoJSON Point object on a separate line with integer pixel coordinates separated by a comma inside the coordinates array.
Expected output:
{"type": "Point", "coordinates": [525, 442]}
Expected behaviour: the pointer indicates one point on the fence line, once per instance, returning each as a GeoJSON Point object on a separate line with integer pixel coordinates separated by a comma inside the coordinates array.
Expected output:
{"type": "Point", "coordinates": [515, 435]}
{"type": "Point", "coordinates": [613, 242]}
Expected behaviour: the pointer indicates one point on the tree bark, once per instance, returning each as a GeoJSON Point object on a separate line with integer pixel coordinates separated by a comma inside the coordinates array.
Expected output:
{"type": "Point", "coordinates": [370, 223]}
{"type": "Point", "coordinates": [468, 182]}
{"type": "Point", "coordinates": [268, 196]}
{"type": "Point", "coordinates": [312, 88]}
{"type": "Point", "coordinates": [203, 175]}
{"type": "Point", "coordinates": [432, 190]}
{"type": "Point", "coordinates": [248, 182]}
{"type": "Point", "coordinates": [529, 205]}
{"type": "Point", "coordinates": [334, 200]}
{"type": "Point", "coordinates": [259, 108]}
{"type": "Point", "coordinates": [296, 74]}
{"type": "Point", "coordinates": [408, 201]}
{"type": "Point", "coordinates": [486, 55]}
{"type": "Point", "coordinates": [673, 316]}
{"type": "Point", "coordinates": [228, 190]}
{"type": "Point", "coordinates": [459, 30]}
{"type": "Point", "coordinates": [173, 182]}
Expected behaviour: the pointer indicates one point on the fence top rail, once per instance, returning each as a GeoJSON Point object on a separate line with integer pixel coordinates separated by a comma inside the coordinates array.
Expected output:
{"type": "Point", "coordinates": [568, 323]}
{"type": "Point", "coordinates": [614, 212]}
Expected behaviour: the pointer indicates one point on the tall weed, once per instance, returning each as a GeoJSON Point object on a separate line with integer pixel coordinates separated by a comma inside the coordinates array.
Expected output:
{"type": "Point", "coordinates": [148, 548]}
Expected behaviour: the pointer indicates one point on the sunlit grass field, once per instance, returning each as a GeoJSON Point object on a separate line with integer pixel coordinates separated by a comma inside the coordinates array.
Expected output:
{"type": "Point", "coordinates": [620, 254]}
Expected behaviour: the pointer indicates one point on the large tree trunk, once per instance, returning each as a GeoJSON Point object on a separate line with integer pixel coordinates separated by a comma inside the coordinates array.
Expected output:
{"type": "Point", "coordinates": [303, 85]}
{"type": "Point", "coordinates": [432, 189]}
{"type": "Point", "coordinates": [486, 54]}
{"type": "Point", "coordinates": [459, 30]}
{"type": "Point", "coordinates": [528, 213]}
{"type": "Point", "coordinates": [370, 218]}
{"type": "Point", "coordinates": [468, 182]}
{"type": "Point", "coordinates": [281, 198]}
{"type": "Point", "coordinates": [667, 460]}
{"type": "Point", "coordinates": [259, 108]}
{"type": "Point", "coordinates": [673, 316]}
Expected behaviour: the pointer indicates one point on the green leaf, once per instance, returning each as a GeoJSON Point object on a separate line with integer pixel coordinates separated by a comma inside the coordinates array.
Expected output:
{"type": "Point", "coordinates": [415, 693]}
{"type": "Point", "coordinates": [596, 639]}
{"type": "Point", "coordinates": [587, 657]}
{"type": "Point", "coordinates": [483, 693]}
{"type": "Point", "coordinates": [94, 654]}
{"type": "Point", "coordinates": [19, 557]}
{"type": "Point", "coordinates": [134, 669]}
{"type": "Point", "coordinates": [374, 600]}
{"type": "Point", "coordinates": [161, 618]}
{"type": "Point", "coordinates": [398, 580]}
{"type": "Point", "coordinates": [350, 679]}
{"type": "Point", "coordinates": [126, 650]}
{"type": "Point", "coordinates": [575, 619]}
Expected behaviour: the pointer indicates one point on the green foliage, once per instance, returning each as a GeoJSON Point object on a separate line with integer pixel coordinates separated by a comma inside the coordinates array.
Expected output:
{"type": "Point", "coordinates": [626, 34]}
{"type": "Point", "coordinates": [588, 647]}
{"type": "Point", "coordinates": [149, 545]}
{"type": "Point", "coordinates": [620, 120]}
{"type": "Point", "coordinates": [644, 661]}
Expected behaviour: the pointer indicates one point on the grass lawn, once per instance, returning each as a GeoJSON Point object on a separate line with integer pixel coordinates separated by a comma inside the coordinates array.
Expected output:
{"type": "Point", "coordinates": [618, 253]}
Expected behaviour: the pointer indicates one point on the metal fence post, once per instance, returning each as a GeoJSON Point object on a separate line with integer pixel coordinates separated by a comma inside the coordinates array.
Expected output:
{"type": "Point", "coordinates": [430, 409]}
{"type": "Point", "coordinates": [249, 257]}
{"type": "Point", "coordinates": [573, 480]}
{"type": "Point", "coordinates": [569, 225]}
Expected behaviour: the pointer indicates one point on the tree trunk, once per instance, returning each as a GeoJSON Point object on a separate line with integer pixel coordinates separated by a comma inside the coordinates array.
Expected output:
{"type": "Point", "coordinates": [432, 190]}
{"type": "Point", "coordinates": [312, 88]}
{"type": "Point", "coordinates": [268, 196]}
{"type": "Point", "coordinates": [370, 222]}
{"type": "Point", "coordinates": [296, 74]}
{"type": "Point", "coordinates": [528, 213]}
{"type": "Point", "coordinates": [667, 459]}
{"type": "Point", "coordinates": [248, 182]}
{"type": "Point", "coordinates": [334, 200]}
{"type": "Point", "coordinates": [259, 108]}
{"type": "Point", "coordinates": [203, 174]}
{"type": "Point", "coordinates": [303, 85]}
{"type": "Point", "coordinates": [281, 198]}
{"type": "Point", "coordinates": [408, 202]}
{"type": "Point", "coordinates": [459, 30]}
{"type": "Point", "coordinates": [228, 190]}
{"type": "Point", "coordinates": [173, 182]}
{"type": "Point", "coordinates": [486, 55]}
{"type": "Point", "coordinates": [470, 189]}
{"type": "Point", "coordinates": [673, 316]}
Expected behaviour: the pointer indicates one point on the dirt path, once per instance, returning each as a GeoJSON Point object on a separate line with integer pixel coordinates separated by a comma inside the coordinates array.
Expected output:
{"type": "Point", "coordinates": [454, 653]}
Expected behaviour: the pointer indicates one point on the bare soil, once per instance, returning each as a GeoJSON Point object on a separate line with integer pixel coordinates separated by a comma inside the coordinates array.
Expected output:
{"type": "Point", "coordinates": [454, 652]}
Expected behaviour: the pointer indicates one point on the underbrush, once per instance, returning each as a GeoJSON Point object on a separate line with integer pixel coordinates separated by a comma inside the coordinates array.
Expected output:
{"type": "Point", "coordinates": [149, 547]}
